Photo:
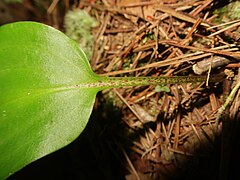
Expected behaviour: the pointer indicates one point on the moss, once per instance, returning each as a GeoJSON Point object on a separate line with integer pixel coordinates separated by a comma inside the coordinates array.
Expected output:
{"type": "Point", "coordinates": [235, 10]}
{"type": "Point", "coordinates": [78, 24]}
{"type": "Point", "coordinates": [228, 13]}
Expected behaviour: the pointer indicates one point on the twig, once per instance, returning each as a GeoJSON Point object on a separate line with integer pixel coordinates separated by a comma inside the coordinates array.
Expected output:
{"type": "Point", "coordinates": [231, 54]}
{"type": "Point", "coordinates": [128, 105]}
{"type": "Point", "coordinates": [52, 6]}
{"type": "Point", "coordinates": [227, 102]}
{"type": "Point", "coordinates": [131, 165]}
{"type": "Point", "coordinates": [225, 29]}
{"type": "Point", "coordinates": [179, 15]}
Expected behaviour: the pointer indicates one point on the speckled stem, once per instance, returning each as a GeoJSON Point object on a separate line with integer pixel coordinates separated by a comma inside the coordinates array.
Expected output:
{"type": "Point", "coordinates": [112, 82]}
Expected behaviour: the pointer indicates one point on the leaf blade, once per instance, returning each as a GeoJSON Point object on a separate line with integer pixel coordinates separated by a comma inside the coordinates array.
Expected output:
{"type": "Point", "coordinates": [41, 108]}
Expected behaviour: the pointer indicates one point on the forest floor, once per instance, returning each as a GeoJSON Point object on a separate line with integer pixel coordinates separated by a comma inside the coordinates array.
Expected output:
{"type": "Point", "coordinates": [153, 132]}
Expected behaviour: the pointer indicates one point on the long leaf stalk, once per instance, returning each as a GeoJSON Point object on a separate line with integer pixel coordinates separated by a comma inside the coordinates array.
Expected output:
{"type": "Point", "coordinates": [113, 82]}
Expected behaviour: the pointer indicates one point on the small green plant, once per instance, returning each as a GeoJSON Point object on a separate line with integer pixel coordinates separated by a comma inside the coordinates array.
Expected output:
{"type": "Point", "coordinates": [47, 92]}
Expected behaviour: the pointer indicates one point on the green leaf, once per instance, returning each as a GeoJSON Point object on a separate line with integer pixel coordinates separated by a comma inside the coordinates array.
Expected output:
{"type": "Point", "coordinates": [46, 96]}
{"type": "Point", "coordinates": [161, 88]}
